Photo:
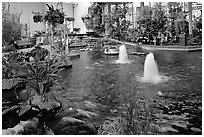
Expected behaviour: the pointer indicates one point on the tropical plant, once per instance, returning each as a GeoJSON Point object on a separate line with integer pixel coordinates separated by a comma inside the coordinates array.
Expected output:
{"type": "Point", "coordinates": [7, 65]}
{"type": "Point", "coordinates": [54, 16]}
{"type": "Point", "coordinates": [11, 27]}
{"type": "Point", "coordinates": [94, 18]}
{"type": "Point", "coordinates": [197, 31]}
{"type": "Point", "coordinates": [154, 19]}
{"type": "Point", "coordinates": [41, 81]}
{"type": "Point", "coordinates": [118, 25]}
{"type": "Point", "coordinates": [39, 53]}
{"type": "Point", "coordinates": [39, 76]}
{"type": "Point", "coordinates": [38, 79]}
{"type": "Point", "coordinates": [6, 69]}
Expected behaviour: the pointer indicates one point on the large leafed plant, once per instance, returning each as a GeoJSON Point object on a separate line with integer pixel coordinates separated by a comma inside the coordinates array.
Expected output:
{"type": "Point", "coordinates": [41, 84]}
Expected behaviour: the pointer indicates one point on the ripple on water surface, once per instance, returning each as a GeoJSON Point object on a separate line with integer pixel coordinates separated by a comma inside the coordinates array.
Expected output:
{"type": "Point", "coordinates": [95, 85]}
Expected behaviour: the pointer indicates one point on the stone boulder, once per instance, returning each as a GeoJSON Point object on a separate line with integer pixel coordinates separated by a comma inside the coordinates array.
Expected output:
{"type": "Point", "coordinates": [23, 128]}
{"type": "Point", "coordinates": [29, 127]}
{"type": "Point", "coordinates": [71, 126]}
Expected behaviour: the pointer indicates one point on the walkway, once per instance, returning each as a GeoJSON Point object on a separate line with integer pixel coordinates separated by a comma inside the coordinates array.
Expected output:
{"type": "Point", "coordinates": [168, 48]}
{"type": "Point", "coordinates": [172, 48]}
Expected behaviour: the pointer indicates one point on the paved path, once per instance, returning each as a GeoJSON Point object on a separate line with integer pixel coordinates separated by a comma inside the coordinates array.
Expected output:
{"type": "Point", "coordinates": [169, 48]}
{"type": "Point", "coordinates": [177, 48]}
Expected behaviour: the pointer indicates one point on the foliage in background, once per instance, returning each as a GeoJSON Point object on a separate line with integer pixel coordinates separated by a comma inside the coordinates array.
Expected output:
{"type": "Point", "coordinates": [11, 26]}
{"type": "Point", "coordinates": [197, 31]}
{"type": "Point", "coordinates": [154, 19]}
{"type": "Point", "coordinates": [95, 17]}
{"type": "Point", "coordinates": [118, 25]}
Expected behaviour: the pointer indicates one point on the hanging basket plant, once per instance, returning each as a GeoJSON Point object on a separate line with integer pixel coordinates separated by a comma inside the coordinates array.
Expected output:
{"type": "Point", "coordinates": [76, 29]}
{"type": "Point", "coordinates": [37, 17]}
{"type": "Point", "coordinates": [87, 17]}
{"type": "Point", "coordinates": [58, 16]}
{"type": "Point", "coordinates": [54, 16]}
{"type": "Point", "coordinates": [84, 18]}
{"type": "Point", "coordinates": [70, 19]}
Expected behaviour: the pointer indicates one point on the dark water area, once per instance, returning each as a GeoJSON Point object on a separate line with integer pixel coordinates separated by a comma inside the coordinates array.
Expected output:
{"type": "Point", "coordinates": [96, 83]}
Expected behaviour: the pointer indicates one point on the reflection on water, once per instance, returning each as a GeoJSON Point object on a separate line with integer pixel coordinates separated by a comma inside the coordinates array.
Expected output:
{"type": "Point", "coordinates": [100, 83]}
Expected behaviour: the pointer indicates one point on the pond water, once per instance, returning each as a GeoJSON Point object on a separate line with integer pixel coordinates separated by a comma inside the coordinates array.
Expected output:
{"type": "Point", "coordinates": [95, 82]}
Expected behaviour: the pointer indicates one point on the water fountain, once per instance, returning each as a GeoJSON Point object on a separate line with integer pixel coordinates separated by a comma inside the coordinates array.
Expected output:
{"type": "Point", "coordinates": [123, 56]}
{"type": "Point", "coordinates": [151, 74]}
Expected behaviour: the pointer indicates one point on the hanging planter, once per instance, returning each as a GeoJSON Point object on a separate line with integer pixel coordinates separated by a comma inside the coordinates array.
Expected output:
{"type": "Point", "coordinates": [54, 16]}
{"type": "Point", "coordinates": [37, 17]}
{"type": "Point", "coordinates": [70, 19]}
{"type": "Point", "coordinates": [87, 17]}
{"type": "Point", "coordinates": [76, 29]}
{"type": "Point", "coordinates": [83, 18]}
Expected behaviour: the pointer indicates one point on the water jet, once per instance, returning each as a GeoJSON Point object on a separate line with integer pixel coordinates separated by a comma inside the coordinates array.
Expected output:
{"type": "Point", "coordinates": [123, 56]}
{"type": "Point", "coordinates": [151, 73]}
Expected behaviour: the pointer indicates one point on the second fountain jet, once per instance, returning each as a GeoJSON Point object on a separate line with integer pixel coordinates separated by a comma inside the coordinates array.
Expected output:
{"type": "Point", "coordinates": [123, 56]}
